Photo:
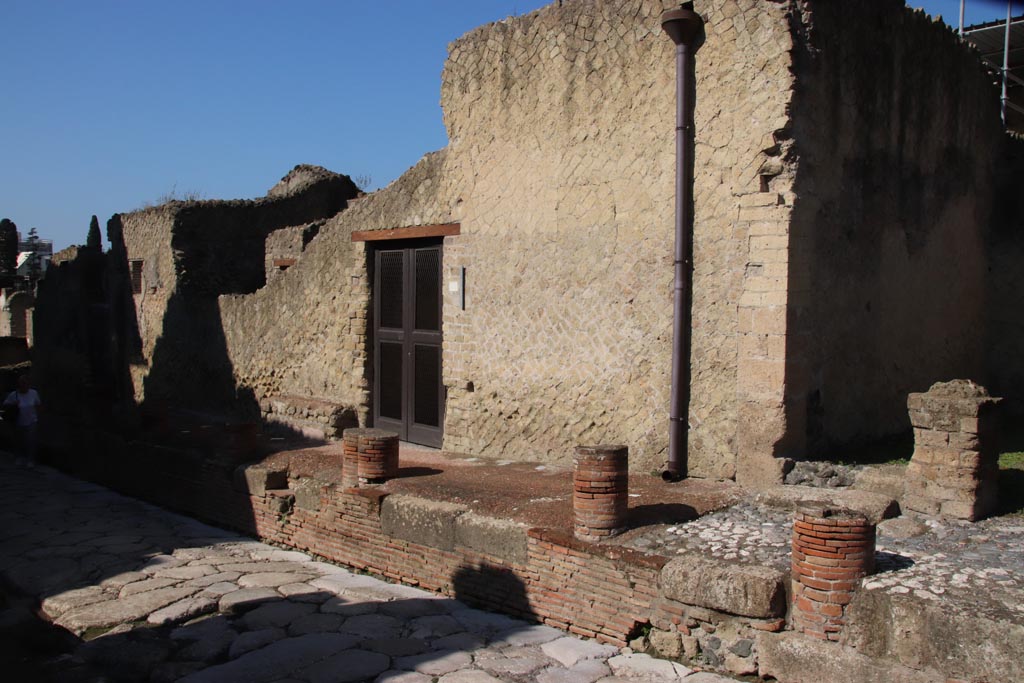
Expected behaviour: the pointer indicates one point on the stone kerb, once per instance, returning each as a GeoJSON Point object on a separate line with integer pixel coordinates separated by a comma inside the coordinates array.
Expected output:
{"type": "Point", "coordinates": [833, 549]}
{"type": "Point", "coordinates": [600, 497]}
{"type": "Point", "coordinates": [954, 470]}
{"type": "Point", "coordinates": [370, 456]}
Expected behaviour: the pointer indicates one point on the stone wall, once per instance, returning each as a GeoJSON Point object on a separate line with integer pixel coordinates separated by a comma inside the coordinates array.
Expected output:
{"type": "Point", "coordinates": [895, 127]}
{"type": "Point", "coordinates": [955, 469]}
{"type": "Point", "coordinates": [304, 333]}
{"type": "Point", "coordinates": [191, 252]}
{"type": "Point", "coordinates": [1005, 293]}
{"type": "Point", "coordinates": [560, 172]}
{"type": "Point", "coordinates": [834, 175]}
{"type": "Point", "coordinates": [283, 247]}
{"type": "Point", "coordinates": [561, 128]}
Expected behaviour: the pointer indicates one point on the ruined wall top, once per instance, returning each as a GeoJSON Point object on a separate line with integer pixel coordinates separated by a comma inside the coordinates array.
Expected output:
{"type": "Point", "coordinates": [300, 178]}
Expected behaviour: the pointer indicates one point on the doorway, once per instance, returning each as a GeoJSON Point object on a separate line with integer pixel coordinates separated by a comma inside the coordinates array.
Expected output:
{"type": "Point", "coordinates": [408, 394]}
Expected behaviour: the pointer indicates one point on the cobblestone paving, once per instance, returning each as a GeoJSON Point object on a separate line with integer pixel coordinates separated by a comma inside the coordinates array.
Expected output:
{"type": "Point", "coordinates": [153, 596]}
{"type": "Point", "coordinates": [743, 533]}
{"type": "Point", "coordinates": [976, 566]}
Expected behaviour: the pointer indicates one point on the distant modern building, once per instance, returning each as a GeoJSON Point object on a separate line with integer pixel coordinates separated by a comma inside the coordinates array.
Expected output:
{"type": "Point", "coordinates": [26, 249]}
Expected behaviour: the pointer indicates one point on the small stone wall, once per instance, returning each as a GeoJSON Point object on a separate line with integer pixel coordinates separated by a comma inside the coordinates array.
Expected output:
{"type": "Point", "coordinates": [954, 472]}
{"type": "Point", "coordinates": [696, 605]}
{"type": "Point", "coordinates": [311, 417]}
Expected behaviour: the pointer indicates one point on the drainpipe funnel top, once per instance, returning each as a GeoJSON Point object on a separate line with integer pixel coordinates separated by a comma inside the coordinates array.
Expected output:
{"type": "Point", "coordinates": [682, 25]}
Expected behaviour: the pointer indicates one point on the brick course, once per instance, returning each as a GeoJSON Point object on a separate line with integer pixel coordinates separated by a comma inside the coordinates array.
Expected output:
{"type": "Point", "coordinates": [598, 591]}
{"type": "Point", "coordinates": [371, 456]}
{"type": "Point", "coordinates": [600, 496]}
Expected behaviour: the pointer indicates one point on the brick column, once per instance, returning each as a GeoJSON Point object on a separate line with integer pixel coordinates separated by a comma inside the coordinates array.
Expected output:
{"type": "Point", "coordinates": [600, 491]}
{"type": "Point", "coordinates": [955, 468]}
{"type": "Point", "coordinates": [833, 549]}
{"type": "Point", "coordinates": [370, 456]}
{"type": "Point", "coordinates": [350, 459]}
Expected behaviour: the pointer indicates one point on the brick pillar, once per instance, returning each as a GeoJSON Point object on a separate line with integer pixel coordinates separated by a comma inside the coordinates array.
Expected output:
{"type": "Point", "coordinates": [955, 469]}
{"type": "Point", "coordinates": [371, 456]}
{"type": "Point", "coordinates": [600, 491]}
{"type": "Point", "coordinates": [833, 549]}
{"type": "Point", "coordinates": [350, 459]}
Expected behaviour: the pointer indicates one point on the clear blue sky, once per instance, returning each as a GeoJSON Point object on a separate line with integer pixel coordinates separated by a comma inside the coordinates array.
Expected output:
{"type": "Point", "coordinates": [109, 104]}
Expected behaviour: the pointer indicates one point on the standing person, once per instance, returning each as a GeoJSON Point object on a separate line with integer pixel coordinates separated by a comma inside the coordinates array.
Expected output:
{"type": "Point", "coordinates": [27, 400]}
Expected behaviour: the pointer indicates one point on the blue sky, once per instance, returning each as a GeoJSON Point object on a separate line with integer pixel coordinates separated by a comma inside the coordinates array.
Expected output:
{"type": "Point", "coordinates": [110, 104]}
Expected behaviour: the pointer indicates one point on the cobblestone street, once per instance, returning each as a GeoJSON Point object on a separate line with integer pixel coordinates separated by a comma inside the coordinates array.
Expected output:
{"type": "Point", "coordinates": [142, 594]}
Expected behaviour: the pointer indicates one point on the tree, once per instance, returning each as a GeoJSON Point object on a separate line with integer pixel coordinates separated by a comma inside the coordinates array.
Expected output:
{"type": "Point", "coordinates": [94, 240]}
{"type": "Point", "coordinates": [8, 248]}
{"type": "Point", "coordinates": [35, 270]}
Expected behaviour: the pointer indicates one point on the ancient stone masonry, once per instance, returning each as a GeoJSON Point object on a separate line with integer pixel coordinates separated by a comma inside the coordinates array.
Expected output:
{"type": "Point", "coordinates": [842, 173]}
{"type": "Point", "coordinates": [312, 417]}
{"type": "Point", "coordinates": [887, 240]}
{"type": "Point", "coordinates": [189, 254]}
{"type": "Point", "coordinates": [305, 332]}
{"type": "Point", "coordinates": [561, 126]}
{"type": "Point", "coordinates": [285, 246]}
{"type": "Point", "coordinates": [954, 472]}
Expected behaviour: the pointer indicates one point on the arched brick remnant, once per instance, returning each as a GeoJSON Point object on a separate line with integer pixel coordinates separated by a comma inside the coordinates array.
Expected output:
{"type": "Point", "coordinates": [833, 549]}
{"type": "Point", "coordinates": [371, 456]}
{"type": "Point", "coordinates": [600, 495]}
{"type": "Point", "coordinates": [955, 468]}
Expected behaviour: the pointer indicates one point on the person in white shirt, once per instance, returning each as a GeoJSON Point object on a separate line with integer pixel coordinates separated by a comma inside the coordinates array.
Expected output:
{"type": "Point", "coordinates": [27, 400]}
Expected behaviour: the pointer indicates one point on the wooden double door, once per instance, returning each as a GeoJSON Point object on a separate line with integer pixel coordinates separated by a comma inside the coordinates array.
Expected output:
{"type": "Point", "coordinates": [408, 394]}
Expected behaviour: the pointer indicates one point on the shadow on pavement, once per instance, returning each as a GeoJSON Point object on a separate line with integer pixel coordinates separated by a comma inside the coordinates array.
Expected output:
{"type": "Point", "coordinates": [136, 593]}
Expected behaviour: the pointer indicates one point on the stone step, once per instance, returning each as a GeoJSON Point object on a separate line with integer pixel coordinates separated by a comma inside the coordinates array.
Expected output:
{"type": "Point", "coordinates": [874, 506]}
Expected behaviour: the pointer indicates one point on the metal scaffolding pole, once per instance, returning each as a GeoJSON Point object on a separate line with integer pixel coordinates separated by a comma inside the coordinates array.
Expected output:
{"type": "Point", "coordinates": [1005, 100]}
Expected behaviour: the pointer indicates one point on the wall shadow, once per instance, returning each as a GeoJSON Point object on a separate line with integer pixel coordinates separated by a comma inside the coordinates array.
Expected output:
{"type": "Point", "coordinates": [333, 624]}
{"type": "Point", "coordinates": [889, 235]}
{"type": "Point", "coordinates": [661, 513]}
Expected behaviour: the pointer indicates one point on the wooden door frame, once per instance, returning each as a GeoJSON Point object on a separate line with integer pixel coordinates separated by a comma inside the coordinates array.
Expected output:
{"type": "Point", "coordinates": [407, 428]}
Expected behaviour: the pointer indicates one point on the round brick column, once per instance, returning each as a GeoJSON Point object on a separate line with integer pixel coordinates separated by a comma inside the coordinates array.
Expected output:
{"type": "Point", "coordinates": [833, 549]}
{"type": "Point", "coordinates": [350, 460]}
{"type": "Point", "coordinates": [600, 495]}
{"type": "Point", "coordinates": [371, 456]}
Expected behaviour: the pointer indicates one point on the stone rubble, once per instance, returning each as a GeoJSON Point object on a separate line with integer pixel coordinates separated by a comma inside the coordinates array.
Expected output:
{"type": "Point", "coordinates": [153, 596]}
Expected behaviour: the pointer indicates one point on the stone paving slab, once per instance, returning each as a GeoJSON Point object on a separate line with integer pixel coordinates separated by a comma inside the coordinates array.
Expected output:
{"type": "Point", "coordinates": [175, 600]}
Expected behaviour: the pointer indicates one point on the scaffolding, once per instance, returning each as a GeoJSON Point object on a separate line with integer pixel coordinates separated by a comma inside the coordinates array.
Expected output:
{"type": "Point", "coordinates": [1001, 47]}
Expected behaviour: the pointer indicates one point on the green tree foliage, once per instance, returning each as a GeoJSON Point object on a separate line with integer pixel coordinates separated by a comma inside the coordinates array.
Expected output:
{"type": "Point", "coordinates": [94, 240]}
{"type": "Point", "coordinates": [35, 269]}
{"type": "Point", "coordinates": [9, 252]}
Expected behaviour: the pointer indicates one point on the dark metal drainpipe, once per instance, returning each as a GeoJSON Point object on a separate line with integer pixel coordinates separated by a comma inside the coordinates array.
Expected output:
{"type": "Point", "coordinates": [684, 27]}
